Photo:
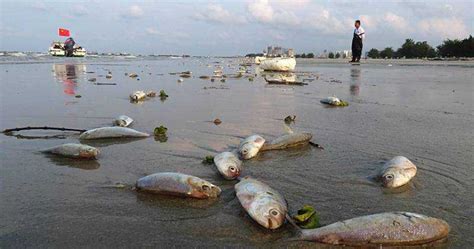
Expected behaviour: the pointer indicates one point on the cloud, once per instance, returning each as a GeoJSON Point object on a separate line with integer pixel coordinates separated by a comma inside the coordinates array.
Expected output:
{"type": "Point", "coordinates": [152, 31]}
{"type": "Point", "coordinates": [37, 5]}
{"type": "Point", "coordinates": [368, 21]}
{"type": "Point", "coordinates": [396, 22]}
{"type": "Point", "coordinates": [134, 11]}
{"type": "Point", "coordinates": [217, 14]}
{"type": "Point", "coordinates": [80, 10]}
{"type": "Point", "coordinates": [444, 27]}
{"type": "Point", "coordinates": [324, 22]}
{"type": "Point", "coordinates": [265, 13]}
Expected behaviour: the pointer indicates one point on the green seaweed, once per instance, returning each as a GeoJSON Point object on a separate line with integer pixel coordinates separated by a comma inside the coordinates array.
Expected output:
{"type": "Point", "coordinates": [307, 217]}
{"type": "Point", "coordinates": [343, 103]}
{"type": "Point", "coordinates": [163, 94]}
{"type": "Point", "coordinates": [160, 131]}
{"type": "Point", "coordinates": [208, 160]}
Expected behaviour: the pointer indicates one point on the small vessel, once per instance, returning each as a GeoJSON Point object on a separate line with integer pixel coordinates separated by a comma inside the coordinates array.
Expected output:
{"type": "Point", "coordinates": [57, 49]}
{"type": "Point", "coordinates": [280, 64]}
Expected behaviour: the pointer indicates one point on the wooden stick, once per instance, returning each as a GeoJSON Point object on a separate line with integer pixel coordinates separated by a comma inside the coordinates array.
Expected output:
{"type": "Point", "coordinates": [42, 128]}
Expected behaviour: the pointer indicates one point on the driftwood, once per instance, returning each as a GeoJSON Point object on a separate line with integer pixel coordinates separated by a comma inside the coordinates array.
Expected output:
{"type": "Point", "coordinates": [42, 128]}
{"type": "Point", "coordinates": [283, 82]}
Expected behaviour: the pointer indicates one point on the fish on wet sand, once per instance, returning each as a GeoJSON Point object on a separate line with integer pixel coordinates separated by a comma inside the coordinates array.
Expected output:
{"type": "Point", "coordinates": [74, 151]}
{"type": "Point", "coordinates": [264, 204]}
{"type": "Point", "coordinates": [228, 164]}
{"type": "Point", "coordinates": [397, 172]}
{"type": "Point", "coordinates": [137, 95]}
{"type": "Point", "coordinates": [178, 184]}
{"type": "Point", "coordinates": [287, 141]}
{"type": "Point", "coordinates": [123, 121]}
{"type": "Point", "coordinates": [383, 229]}
{"type": "Point", "coordinates": [250, 146]}
{"type": "Point", "coordinates": [112, 132]}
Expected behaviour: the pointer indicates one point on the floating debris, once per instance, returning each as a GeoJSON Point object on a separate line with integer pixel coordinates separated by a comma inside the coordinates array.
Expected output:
{"type": "Point", "coordinates": [78, 96]}
{"type": "Point", "coordinates": [123, 121]}
{"type": "Point", "coordinates": [290, 119]}
{"type": "Point", "coordinates": [217, 121]}
{"type": "Point", "coordinates": [108, 76]}
{"type": "Point", "coordinates": [160, 131]}
{"type": "Point", "coordinates": [204, 77]}
{"type": "Point", "coordinates": [163, 95]}
{"type": "Point", "coordinates": [92, 79]}
{"type": "Point", "coordinates": [307, 217]}
{"type": "Point", "coordinates": [137, 95]}
{"type": "Point", "coordinates": [222, 80]}
{"type": "Point", "coordinates": [132, 75]}
{"type": "Point", "coordinates": [208, 160]}
{"type": "Point", "coordinates": [105, 84]}
{"type": "Point", "coordinates": [180, 80]}
{"type": "Point", "coordinates": [151, 94]}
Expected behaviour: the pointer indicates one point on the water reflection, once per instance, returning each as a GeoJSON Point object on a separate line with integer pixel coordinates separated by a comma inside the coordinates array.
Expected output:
{"type": "Point", "coordinates": [355, 81]}
{"type": "Point", "coordinates": [68, 74]}
{"type": "Point", "coordinates": [74, 163]}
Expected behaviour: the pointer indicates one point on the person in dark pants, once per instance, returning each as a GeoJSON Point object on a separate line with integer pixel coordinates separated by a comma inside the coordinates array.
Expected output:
{"type": "Point", "coordinates": [359, 35]}
{"type": "Point", "coordinates": [69, 47]}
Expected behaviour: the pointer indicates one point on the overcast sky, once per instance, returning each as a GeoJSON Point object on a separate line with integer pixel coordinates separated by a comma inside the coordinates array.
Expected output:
{"type": "Point", "coordinates": [229, 27]}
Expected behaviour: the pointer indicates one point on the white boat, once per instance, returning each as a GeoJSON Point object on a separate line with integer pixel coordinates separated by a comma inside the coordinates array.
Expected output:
{"type": "Point", "coordinates": [57, 49]}
{"type": "Point", "coordinates": [278, 64]}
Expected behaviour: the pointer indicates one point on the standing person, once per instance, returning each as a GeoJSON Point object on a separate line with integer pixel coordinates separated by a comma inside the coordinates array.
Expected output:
{"type": "Point", "coordinates": [69, 46]}
{"type": "Point", "coordinates": [359, 35]}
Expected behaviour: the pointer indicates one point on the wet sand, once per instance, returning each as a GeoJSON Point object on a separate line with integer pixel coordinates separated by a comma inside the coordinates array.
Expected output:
{"type": "Point", "coordinates": [423, 111]}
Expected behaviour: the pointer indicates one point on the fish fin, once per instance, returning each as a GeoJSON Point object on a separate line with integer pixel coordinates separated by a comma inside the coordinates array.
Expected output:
{"type": "Point", "coordinates": [316, 145]}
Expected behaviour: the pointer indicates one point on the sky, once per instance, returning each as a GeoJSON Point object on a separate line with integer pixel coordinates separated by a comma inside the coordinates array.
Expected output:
{"type": "Point", "coordinates": [230, 27]}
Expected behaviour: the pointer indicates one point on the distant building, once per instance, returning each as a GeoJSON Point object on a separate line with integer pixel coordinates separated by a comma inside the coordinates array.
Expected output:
{"type": "Point", "coordinates": [274, 51]}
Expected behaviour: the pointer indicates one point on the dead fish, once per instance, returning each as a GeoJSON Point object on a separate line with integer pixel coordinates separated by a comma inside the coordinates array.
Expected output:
{"type": "Point", "coordinates": [397, 172]}
{"type": "Point", "coordinates": [250, 146]}
{"type": "Point", "coordinates": [74, 151]}
{"type": "Point", "coordinates": [331, 101]}
{"type": "Point", "coordinates": [137, 95]}
{"type": "Point", "coordinates": [178, 184]}
{"type": "Point", "coordinates": [228, 164]}
{"type": "Point", "coordinates": [264, 204]}
{"type": "Point", "coordinates": [123, 121]}
{"type": "Point", "coordinates": [287, 141]}
{"type": "Point", "coordinates": [112, 132]}
{"type": "Point", "coordinates": [383, 229]}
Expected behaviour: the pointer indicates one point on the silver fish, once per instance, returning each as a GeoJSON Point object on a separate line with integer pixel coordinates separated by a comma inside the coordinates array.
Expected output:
{"type": "Point", "coordinates": [228, 164]}
{"type": "Point", "coordinates": [397, 172]}
{"type": "Point", "coordinates": [331, 101]}
{"type": "Point", "coordinates": [112, 132]}
{"type": "Point", "coordinates": [123, 121]}
{"type": "Point", "coordinates": [74, 151]}
{"type": "Point", "coordinates": [383, 229]}
{"type": "Point", "coordinates": [287, 141]}
{"type": "Point", "coordinates": [264, 204]}
{"type": "Point", "coordinates": [178, 184]}
{"type": "Point", "coordinates": [250, 146]}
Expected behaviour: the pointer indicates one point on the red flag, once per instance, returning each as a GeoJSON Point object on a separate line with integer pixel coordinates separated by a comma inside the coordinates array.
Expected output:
{"type": "Point", "coordinates": [63, 32]}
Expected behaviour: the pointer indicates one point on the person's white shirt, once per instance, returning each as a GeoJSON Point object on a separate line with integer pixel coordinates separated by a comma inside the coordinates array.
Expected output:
{"type": "Point", "coordinates": [360, 32]}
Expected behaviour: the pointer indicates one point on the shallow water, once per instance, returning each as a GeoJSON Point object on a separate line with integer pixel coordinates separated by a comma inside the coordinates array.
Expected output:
{"type": "Point", "coordinates": [422, 111]}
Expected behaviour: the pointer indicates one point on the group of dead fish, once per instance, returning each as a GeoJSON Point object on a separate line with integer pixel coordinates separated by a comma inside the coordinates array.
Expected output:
{"type": "Point", "coordinates": [267, 206]}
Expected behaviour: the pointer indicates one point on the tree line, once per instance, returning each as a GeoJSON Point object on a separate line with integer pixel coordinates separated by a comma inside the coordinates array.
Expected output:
{"type": "Point", "coordinates": [412, 49]}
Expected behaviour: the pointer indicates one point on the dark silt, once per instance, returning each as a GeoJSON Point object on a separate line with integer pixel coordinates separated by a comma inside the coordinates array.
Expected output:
{"type": "Point", "coordinates": [421, 110]}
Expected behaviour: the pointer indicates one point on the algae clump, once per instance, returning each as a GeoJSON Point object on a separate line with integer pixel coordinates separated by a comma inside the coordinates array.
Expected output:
{"type": "Point", "coordinates": [307, 217]}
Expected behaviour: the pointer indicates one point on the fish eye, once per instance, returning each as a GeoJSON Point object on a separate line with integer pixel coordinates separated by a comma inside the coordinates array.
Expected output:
{"type": "Point", "coordinates": [232, 169]}
{"type": "Point", "coordinates": [274, 212]}
{"type": "Point", "coordinates": [205, 187]}
{"type": "Point", "coordinates": [389, 177]}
